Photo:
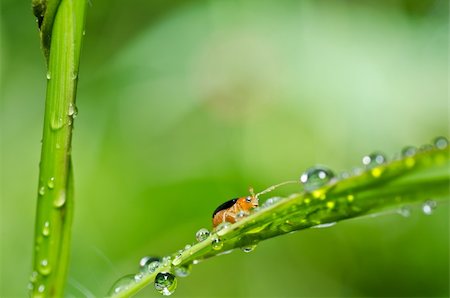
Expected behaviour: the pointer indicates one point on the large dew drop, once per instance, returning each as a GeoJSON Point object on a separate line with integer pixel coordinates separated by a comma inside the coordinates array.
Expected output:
{"type": "Point", "coordinates": [121, 284]}
{"type": "Point", "coordinates": [202, 234]}
{"type": "Point", "coordinates": [316, 177]}
{"type": "Point", "coordinates": [165, 283]}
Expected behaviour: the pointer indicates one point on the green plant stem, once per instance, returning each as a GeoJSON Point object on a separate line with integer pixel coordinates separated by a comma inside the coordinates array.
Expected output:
{"type": "Point", "coordinates": [390, 187]}
{"type": "Point", "coordinates": [55, 192]}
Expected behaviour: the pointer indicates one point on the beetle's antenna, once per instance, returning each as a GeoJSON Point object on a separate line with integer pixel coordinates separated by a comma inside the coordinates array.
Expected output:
{"type": "Point", "coordinates": [273, 187]}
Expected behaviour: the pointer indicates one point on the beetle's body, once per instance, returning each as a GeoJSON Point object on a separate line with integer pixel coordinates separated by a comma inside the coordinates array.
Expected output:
{"type": "Point", "coordinates": [227, 212]}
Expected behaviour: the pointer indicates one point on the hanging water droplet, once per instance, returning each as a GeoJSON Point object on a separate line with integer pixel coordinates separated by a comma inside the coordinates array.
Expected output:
{"type": "Point", "coordinates": [202, 234]}
{"type": "Point", "coordinates": [249, 248]}
{"type": "Point", "coordinates": [51, 183]}
{"type": "Point", "coordinates": [42, 190]}
{"type": "Point", "coordinates": [48, 75]}
{"type": "Point", "coordinates": [216, 243]}
{"type": "Point", "coordinates": [121, 284]}
{"type": "Point", "coordinates": [60, 200]}
{"type": "Point", "coordinates": [46, 229]}
{"type": "Point", "coordinates": [428, 207]}
{"type": "Point", "coordinates": [404, 211]}
{"type": "Point", "coordinates": [316, 177]}
{"type": "Point", "coordinates": [144, 261]}
{"type": "Point", "coordinates": [440, 143]}
{"type": "Point", "coordinates": [373, 160]}
{"type": "Point", "coordinates": [165, 283]}
{"type": "Point", "coordinates": [183, 271]}
{"type": "Point", "coordinates": [57, 123]}
{"type": "Point", "coordinates": [44, 267]}
{"type": "Point", "coordinates": [151, 267]}
{"type": "Point", "coordinates": [409, 151]}
{"type": "Point", "coordinates": [223, 226]}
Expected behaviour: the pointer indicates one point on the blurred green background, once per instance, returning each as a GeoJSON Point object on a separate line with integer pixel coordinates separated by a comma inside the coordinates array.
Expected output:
{"type": "Point", "coordinates": [185, 104]}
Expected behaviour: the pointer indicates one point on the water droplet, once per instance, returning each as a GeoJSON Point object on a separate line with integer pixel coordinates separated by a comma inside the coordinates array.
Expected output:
{"type": "Point", "coordinates": [30, 286]}
{"type": "Point", "coordinates": [138, 276]}
{"type": "Point", "coordinates": [216, 243]}
{"type": "Point", "coordinates": [166, 261]}
{"type": "Point", "coordinates": [73, 110]}
{"type": "Point", "coordinates": [316, 177]}
{"type": "Point", "coordinates": [183, 271]}
{"type": "Point", "coordinates": [202, 234]}
{"type": "Point", "coordinates": [440, 143]}
{"type": "Point", "coordinates": [41, 288]}
{"type": "Point", "coordinates": [249, 248]}
{"type": "Point", "coordinates": [48, 75]}
{"type": "Point", "coordinates": [33, 276]}
{"type": "Point", "coordinates": [428, 207]}
{"type": "Point", "coordinates": [151, 267]}
{"type": "Point", "coordinates": [121, 284]}
{"type": "Point", "coordinates": [46, 229]}
{"type": "Point", "coordinates": [373, 160]}
{"type": "Point", "coordinates": [144, 261]}
{"type": "Point", "coordinates": [165, 283]}
{"type": "Point", "coordinates": [57, 123]}
{"type": "Point", "coordinates": [44, 267]}
{"type": "Point", "coordinates": [42, 190]}
{"type": "Point", "coordinates": [223, 226]}
{"type": "Point", "coordinates": [51, 183]}
{"type": "Point", "coordinates": [84, 32]}
{"type": "Point", "coordinates": [324, 225]}
{"type": "Point", "coordinates": [60, 200]}
{"type": "Point", "coordinates": [74, 76]}
{"type": "Point", "coordinates": [241, 214]}
{"type": "Point", "coordinates": [404, 211]}
{"type": "Point", "coordinates": [271, 201]}
{"type": "Point", "coordinates": [409, 151]}
{"type": "Point", "coordinates": [188, 246]}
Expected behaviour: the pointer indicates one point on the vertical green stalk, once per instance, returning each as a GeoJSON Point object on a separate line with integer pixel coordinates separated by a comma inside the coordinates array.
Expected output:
{"type": "Point", "coordinates": [62, 30]}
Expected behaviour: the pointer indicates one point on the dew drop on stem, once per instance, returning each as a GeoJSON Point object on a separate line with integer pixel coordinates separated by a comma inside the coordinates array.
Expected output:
{"type": "Point", "coordinates": [440, 143]}
{"type": "Point", "coordinates": [373, 160]}
{"type": "Point", "coordinates": [145, 261]}
{"type": "Point", "coordinates": [183, 271]}
{"type": "Point", "coordinates": [409, 151]}
{"type": "Point", "coordinates": [216, 243]}
{"type": "Point", "coordinates": [428, 207]}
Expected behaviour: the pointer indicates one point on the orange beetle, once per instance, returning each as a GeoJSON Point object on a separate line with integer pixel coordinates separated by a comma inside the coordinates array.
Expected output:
{"type": "Point", "coordinates": [228, 211]}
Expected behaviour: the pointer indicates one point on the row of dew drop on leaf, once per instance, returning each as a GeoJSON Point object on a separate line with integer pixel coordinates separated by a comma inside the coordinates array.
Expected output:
{"type": "Point", "coordinates": [314, 178]}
